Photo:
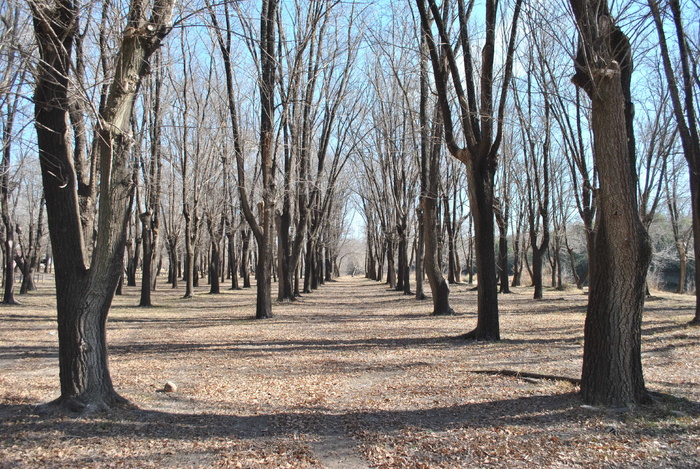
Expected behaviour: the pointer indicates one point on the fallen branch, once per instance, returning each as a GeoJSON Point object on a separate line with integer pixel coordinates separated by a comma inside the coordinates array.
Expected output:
{"type": "Point", "coordinates": [525, 374]}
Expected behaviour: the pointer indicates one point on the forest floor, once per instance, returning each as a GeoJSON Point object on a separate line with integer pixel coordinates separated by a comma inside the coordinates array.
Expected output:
{"type": "Point", "coordinates": [351, 376]}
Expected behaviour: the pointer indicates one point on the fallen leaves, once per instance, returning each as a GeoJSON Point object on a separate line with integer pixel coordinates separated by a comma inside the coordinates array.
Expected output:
{"type": "Point", "coordinates": [351, 359]}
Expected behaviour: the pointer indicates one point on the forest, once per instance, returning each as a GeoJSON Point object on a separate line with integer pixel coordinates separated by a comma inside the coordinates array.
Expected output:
{"type": "Point", "coordinates": [155, 149]}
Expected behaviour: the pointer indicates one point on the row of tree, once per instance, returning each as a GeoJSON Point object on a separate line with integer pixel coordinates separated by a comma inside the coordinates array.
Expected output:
{"type": "Point", "coordinates": [252, 124]}
{"type": "Point", "coordinates": [559, 154]}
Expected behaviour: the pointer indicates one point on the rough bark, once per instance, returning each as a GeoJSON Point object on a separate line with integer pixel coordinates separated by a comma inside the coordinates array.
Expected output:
{"type": "Point", "coordinates": [612, 367]}
{"type": "Point", "coordinates": [84, 293]}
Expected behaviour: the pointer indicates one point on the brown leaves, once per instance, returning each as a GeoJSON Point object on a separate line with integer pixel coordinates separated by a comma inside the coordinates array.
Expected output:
{"type": "Point", "coordinates": [351, 362]}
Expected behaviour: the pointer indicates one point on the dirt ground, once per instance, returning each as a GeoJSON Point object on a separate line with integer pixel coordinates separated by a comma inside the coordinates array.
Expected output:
{"type": "Point", "coordinates": [351, 376]}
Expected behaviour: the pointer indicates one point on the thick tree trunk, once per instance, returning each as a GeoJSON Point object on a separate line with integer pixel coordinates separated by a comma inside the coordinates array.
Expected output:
{"type": "Point", "coordinates": [612, 366]}
{"type": "Point", "coordinates": [189, 273]}
{"type": "Point", "coordinates": [439, 287]}
{"type": "Point", "coordinates": [84, 294]}
{"type": "Point", "coordinates": [682, 94]}
{"type": "Point", "coordinates": [215, 267]}
{"type": "Point", "coordinates": [173, 270]}
{"type": "Point", "coordinates": [285, 271]}
{"type": "Point", "coordinates": [695, 197]}
{"type": "Point", "coordinates": [420, 255]}
{"type": "Point", "coordinates": [517, 254]}
{"type": "Point", "coordinates": [9, 248]}
{"type": "Point", "coordinates": [537, 261]}
{"type": "Point", "coordinates": [233, 260]}
{"type": "Point", "coordinates": [9, 242]}
{"type": "Point", "coordinates": [309, 266]}
{"type": "Point", "coordinates": [480, 182]}
{"type": "Point", "coordinates": [501, 212]}
{"type": "Point", "coordinates": [503, 263]}
{"type": "Point", "coordinates": [390, 264]}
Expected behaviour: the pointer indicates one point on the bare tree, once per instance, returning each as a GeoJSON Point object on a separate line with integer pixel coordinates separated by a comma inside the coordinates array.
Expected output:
{"type": "Point", "coordinates": [482, 131]}
{"type": "Point", "coordinates": [152, 173]}
{"type": "Point", "coordinates": [536, 153]}
{"type": "Point", "coordinates": [683, 98]}
{"type": "Point", "coordinates": [682, 234]}
{"type": "Point", "coordinates": [85, 292]}
{"type": "Point", "coordinates": [266, 60]}
{"type": "Point", "coordinates": [13, 80]}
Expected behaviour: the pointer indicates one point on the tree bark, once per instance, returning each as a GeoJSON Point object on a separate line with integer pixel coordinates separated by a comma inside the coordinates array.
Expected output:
{"type": "Point", "coordinates": [612, 367]}
{"type": "Point", "coordinates": [84, 293]}
{"type": "Point", "coordinates": [148, 258]}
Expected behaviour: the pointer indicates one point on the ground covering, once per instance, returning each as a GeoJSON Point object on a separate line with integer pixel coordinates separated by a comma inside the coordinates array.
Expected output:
{"type": "Point", "coordinates": [351, 376]}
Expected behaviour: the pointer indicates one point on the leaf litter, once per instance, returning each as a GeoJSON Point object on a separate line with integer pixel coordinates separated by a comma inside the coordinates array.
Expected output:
{"type": "Point", "coordinates": [351, 376]}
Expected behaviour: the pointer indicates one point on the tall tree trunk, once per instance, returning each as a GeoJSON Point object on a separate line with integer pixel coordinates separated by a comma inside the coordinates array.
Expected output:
{"type": "Point", "coordinates": [390, 263]}
{"type": "Point", "coordinates": [233, 259]}
{"type": "Point", "coordinates": [84, 293]}
{"type": "Point", "coordinates": [245, 257]}
{"type": "Point", "coordinates": [517, 252]}
{"type": "Point", "coordinates": [173, 270]}
{"type": "Point", "coordinates": [148, 258]}
{"type": "Point", "coordinates": [612, 366]}
{"type": "Point", "coordinates": [190, 272]}
{"type": "Point", "coordinates": [439, 287]}
{"type": "Point", "coordinates": [32, 261]}
{"type": "Point", "coordinates": [480, 182]}
{"type": "Point", "coordinates": [420, 254]}
{"type": "Point", "coordinates": [482, 131]}
{"type": "Point", "coordinates": [501, 212]}
{"type": "Point", "coordinates": [5, 170]}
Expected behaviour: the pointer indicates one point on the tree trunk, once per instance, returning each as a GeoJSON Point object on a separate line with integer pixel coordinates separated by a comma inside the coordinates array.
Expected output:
{"type": "Point", "coordinates": [9, 242]}
{"type": "Point", "coordinates": [32, 261]}
{"type": "Point", "coordinates": [517, 253]}
{"type": "Point", "coordinates": [84, 294]}
{"type": "Point", "coordinates": [233, 260]}
{"type": "Point", "coordinates": [480, 182]}
{"type": "Point", "coordinates": [537, 261]}
{"type": "Point", "coordinates": [215, 267]}
{"type": "Point", "coordinates": [684, 109]}
{"type": "Point", "coordinates": [612, 366]}
{"type": "Point", "coordinates": [501, 212]}
{"type": "Point", "coordinates": [9, 248]}
{"type": "Point", "coordinates": [245, 257]}
{"type": "Point", "coordinates": [148, 258]}
{"type": "Point", "coordinates": [439, 287]}
{"type": "Point", "coordinates": [390, 264]}
{"type": "Point", "coordinates": [420, 255]}
{"type": "Point", "coordinates": [285, 286]}
{"type": "Point", "coordinates": [190, 272]}
{"type": "Point", "coordinates": [173, 270]}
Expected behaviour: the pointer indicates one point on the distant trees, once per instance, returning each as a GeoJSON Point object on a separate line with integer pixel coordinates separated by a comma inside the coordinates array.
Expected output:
{"type": "Point", "coordinates": [263, 129]}
{"type": "Point", "coordinates": [683, 90]}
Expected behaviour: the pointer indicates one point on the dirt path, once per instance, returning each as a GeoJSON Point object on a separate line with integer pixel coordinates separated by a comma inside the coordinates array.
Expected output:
{"type": "Point", "coordinates": [351, 376]}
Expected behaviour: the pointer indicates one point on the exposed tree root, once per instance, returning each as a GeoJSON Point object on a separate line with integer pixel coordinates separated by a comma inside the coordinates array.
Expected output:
{"type": "Point", "coordinates": [77, 407]}
{"type": "Point", "coordinates": [449, 312]}
{"type": "Point", "coordinates": [476, 334]}
{"type": "Point", "coordinates": [525, 374]}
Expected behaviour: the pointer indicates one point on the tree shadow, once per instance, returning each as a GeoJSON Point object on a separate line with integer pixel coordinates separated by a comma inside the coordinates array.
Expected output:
{"type": "Point", "coordinates": [534, 412]}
